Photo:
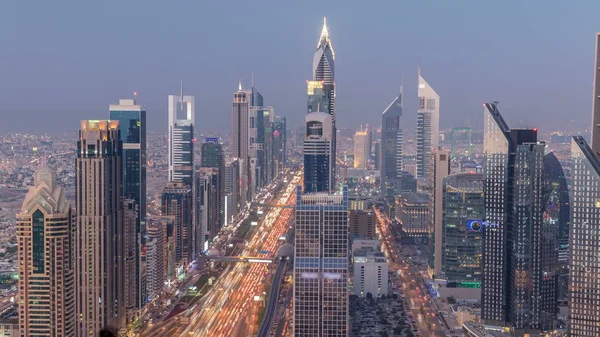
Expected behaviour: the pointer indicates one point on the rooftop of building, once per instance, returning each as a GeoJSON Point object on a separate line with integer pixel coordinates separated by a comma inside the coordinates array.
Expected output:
{"type": "Point", "coordinates": [369, 254]}
{"type": "Point", "coordinates": [480, 330]}
{"type": "Point", "coordinates": [465, 182]}
{"type": "Point", "coordinates": [414, 198]}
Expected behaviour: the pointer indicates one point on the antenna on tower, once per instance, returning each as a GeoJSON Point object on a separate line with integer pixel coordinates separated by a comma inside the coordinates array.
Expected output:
{"type": "Point", "coordinates": [252, 80]}
{"type": "Point", "coordinates": [181, 98]}
{"type": "Point", "coordinates": [240, 85]}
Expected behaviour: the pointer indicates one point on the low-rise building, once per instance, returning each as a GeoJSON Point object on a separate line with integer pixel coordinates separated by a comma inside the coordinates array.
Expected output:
{"type": "Point", "coordinates": [370, 272]}
{"type": "Point", "coordinates": [413, 213]}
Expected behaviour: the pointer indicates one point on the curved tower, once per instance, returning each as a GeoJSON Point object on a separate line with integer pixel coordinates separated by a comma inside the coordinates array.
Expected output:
{"type": "Point", "coordinates": [428, 125]}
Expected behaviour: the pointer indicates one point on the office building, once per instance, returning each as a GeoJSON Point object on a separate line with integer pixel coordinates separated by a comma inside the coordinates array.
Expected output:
{"type": "Point", "coordinates": [46, 262]}
{"type": "Point", "coordinates": [177, 202]}
{"type": "Point", "coordinates": [413, 213]}
{"type": "Point", "coordinates": [260, 147]}
{"type": "Point", "coordinates": [584, 244]}
{"type": "Point", "coordinates": [239, 148]}
{"type": "Point", "coordinates": [131, 259]}
{"type": "Point", "coordinates": [213, 156]}
{"type": "Point", "coordinates": [362, 224]}
{"type": "Point", "coordinates": [370, 273]}
{"type": "Point", "coordinates": [428, 125]}
{"type": "Point", "coordinates": [518, 285]}
{"type": "Point", "coordinates": [376, 155]}
{"type": "Point", "coordinates": [321, 90]}
{"type": "Point", "coordinates": [207, 207]}
{"type": "Point", "coordinates": [181, 138]}
{"type": "Point", "coordinates": [279, 145]}
{"type": "Point", "coordinates": [361, 148]}
{"type": "Point", "coordinates": [232, 190]}
{"type": "Point", "coordinates": [439, 169]}
{"type": "Point", "coordinates": [391, 164]}
{"type": "Point", "coordinates": [557, 216]}
{"type": "Point", "coordinates": [318, 152]}
{"type": "Point", "coordinates": [157, 254]}
{"type": "Point", "coordinates": [132, 125]}
{"type": "Point", "coordinates": [461, 223]}
{"type": "Point", "coordinates": [321, 265]}
{"type": "Point", "coordinates": [99, 247]}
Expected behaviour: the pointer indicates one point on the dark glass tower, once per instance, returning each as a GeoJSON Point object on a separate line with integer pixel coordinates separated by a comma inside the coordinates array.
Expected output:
{"type": "Point", "coordinates": [279, 144]}
{"type": "Point", "coordinates": [212, 156]}
{"type": "Point", "coordinates": [391, 149]}
{"type": "Point", "coordinates": [515, 288]}
{"type": "Point", "coordinates": [132, 125]}
{"type": "Point", "coordinates": [318, 153]}
{"type": "Point", "coordinates": [177, 202]}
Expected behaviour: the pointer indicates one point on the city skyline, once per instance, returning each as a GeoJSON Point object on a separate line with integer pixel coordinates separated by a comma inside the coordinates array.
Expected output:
{"type": "Point", "coordinates": [516, 84]}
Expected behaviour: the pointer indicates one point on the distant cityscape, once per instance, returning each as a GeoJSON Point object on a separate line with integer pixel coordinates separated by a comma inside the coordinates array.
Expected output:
{"type": "Point", "coordinates": [319, 229]}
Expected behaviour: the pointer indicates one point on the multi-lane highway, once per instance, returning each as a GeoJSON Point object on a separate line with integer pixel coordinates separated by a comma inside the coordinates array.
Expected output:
{"type": "Point", "coordinates": [229, 308]}
{"type": "Point", "coordinates": [422, 311]}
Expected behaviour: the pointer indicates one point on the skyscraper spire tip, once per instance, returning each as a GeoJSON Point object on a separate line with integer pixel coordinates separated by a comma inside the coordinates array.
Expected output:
{"type": "Point", "coordinates": [240, 85]}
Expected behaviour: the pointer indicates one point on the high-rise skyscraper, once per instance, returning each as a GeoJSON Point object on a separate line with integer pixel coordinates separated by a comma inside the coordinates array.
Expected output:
{"type": "Point", "coordinates": [391, 149]}
{"type": "Point", "coordinates": [321, 265]}
{"type": "Point", "coordinates": [181, 138]}
{"type": "Point", "coordinates": [157, 254]}
{"type": "Point", "coordinates": [428, 126]}
{"type": "Point", "coordinates": [232, 189]}
{"type": "Point", "coordinates": [132, 124]}
{"type": "Point", "coordinates": [439, 169]}
{"type": "Point", "coordinates": [213, 156]}
{"type": "Point", "coordinates": [279, 144]}
{"type": "Point", "coordinates": [239, 136]}
{"type": "Point", "coordinates": [462, 229]}
{"type": "Point", "coordinates": [177, 202]}
{"type": "Point", "coordinates": [516, 287]}
{"type": "Point", "coordinates": [321, 90]}
{"type": "Point", "coordinates": [46, 235]}
{"type": "Point", "coordinates": [584, 242]}
{"type": "Point", "coordinates": [318, 152]}
{"type": "Point", "coordinates": [207, 206]}
{"type": "Point", "coordinates": [361, 149]}
{"type": "Point", "coordinates": [100, 243]}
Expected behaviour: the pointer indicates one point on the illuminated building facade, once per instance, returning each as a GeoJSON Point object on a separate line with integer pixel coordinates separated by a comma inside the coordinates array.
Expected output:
{"type": "Point", "coordinates": [413, 212]}
{"type": "Point", "coordinates": [46, 235]}
{"type": "Point", "coordinates": [361, 149]}
{"type": "Point", "coordinates": [428, 126]}
{"type": "Point", "coordinates": [318, 152]}
{"type": "Point", "coordinates": [132, 125]}
{"type": "Point", "coordinates": [321, 265]}
{"type": "Point", "coordinates": [100, 242]}
{"type": "Point", "coordinates": [584, 243]}
{"type": "Point", "coordinates": [207, 207]}
{"type": "Point", "coordinates": [462, 209]}
{"type": "Point", "coordinates": [519, 273]}
{"type": "Point", "coordinates": [181, 138]}
{"type": "Point", "coordinates": [177, 202]}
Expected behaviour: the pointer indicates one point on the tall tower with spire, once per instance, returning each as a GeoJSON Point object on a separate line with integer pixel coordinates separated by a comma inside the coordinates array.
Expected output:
{"type": "Point", "coordinates": [181, 137]}
{"type": "Point", "coordinates": [428, 125]}
{"type": "Point", "coordinates": [321, 90]}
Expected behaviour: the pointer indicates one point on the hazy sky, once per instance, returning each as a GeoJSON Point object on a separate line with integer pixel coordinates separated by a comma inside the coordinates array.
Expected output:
{"type": "Point", "coordinates": [63, 61]}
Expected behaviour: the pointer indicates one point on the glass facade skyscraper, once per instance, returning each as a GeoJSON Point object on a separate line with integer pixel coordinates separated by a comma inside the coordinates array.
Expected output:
{"type": "Point", "coordinates": [177, 202]}
{"type": "Point", "coordinates": [516, 290]}
{"type": "Point", "coordinates": [181, 138]}
{"type": "Point", "coordinates": [318, 152]}
{"type": "Point", "coordinates": [462, 203]}
{"type": "Point", "coordinates": [132, 125]}
{"type": "Point", "coordinates": [584, 245]}
{"type": "Point", "coordinates": [212, 156]}
{"type": "Point", "coordinates": [391, 149]}
{"type": "Point", "coordinates": [321, 265]}
{"type": "Point", "coordinates": [428, 125]}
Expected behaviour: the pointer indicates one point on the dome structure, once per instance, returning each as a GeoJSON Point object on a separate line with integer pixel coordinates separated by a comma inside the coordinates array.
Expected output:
{"type": "Point", "coordinates": [213, 252]}
{"type": "Point", "coordinates": [286, 250]}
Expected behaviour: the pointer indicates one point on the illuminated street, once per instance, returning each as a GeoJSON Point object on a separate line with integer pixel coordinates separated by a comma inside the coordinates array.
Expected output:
{"type": "Point", "coordinates": [424, 314]}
